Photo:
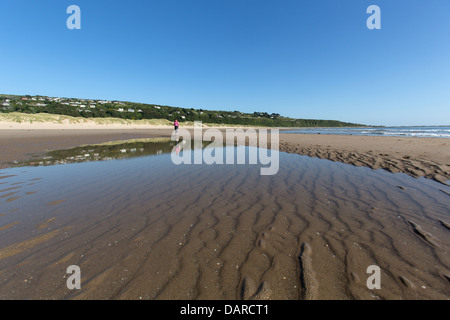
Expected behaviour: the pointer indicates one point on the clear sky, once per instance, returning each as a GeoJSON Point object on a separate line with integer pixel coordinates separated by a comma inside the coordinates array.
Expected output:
{"type": "Point", "coordinates": [304, 59]}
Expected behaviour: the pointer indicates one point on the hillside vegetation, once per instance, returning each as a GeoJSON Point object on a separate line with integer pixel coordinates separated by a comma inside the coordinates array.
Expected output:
{"type": "Point", "coordinates": [87, 108]}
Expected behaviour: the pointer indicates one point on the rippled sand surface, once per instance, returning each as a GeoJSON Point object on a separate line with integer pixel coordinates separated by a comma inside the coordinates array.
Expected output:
{"type": "Point", "coordinates": [144, 228]}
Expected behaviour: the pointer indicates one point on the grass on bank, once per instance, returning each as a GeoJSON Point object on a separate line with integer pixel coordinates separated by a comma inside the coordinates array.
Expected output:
{"type": "Point", "coordinates": [18, 117]}
{"type": "Point", "coordinates": [63, 119]}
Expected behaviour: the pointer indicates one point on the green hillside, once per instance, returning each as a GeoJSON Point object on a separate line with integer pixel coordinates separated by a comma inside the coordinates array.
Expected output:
{"type": "Point", "coordinates": [88, 108]}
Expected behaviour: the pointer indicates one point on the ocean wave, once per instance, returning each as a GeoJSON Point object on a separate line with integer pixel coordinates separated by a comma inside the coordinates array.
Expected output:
{"type": "Point", "coordinates": [426, 132]}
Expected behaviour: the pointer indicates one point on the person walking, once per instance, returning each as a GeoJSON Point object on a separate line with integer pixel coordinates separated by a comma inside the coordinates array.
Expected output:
{"type": "Point", "coordinates": [176, 124]}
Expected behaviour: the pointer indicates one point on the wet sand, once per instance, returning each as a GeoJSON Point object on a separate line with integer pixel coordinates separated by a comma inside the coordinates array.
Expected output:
{"type": "Point", "coordinates": [222, 232]}
{"type": "Point", "coordinates": [419, 157]}
{"type": "Point", "coordinates": [19, 144]}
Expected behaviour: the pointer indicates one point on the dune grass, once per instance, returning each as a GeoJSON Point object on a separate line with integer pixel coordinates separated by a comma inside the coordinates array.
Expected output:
{"type": "Point", "coordinates": [18, 117]}
{"type": "Point", "coordinates": [63, 119]}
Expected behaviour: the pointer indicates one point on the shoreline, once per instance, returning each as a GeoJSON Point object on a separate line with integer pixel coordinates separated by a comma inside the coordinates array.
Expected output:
{"type": "Point", "coordinates": [416, 156]}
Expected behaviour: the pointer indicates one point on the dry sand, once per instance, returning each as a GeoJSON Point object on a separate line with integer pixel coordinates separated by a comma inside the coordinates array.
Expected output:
{"type": "Point", "coordinates": [305, 233]}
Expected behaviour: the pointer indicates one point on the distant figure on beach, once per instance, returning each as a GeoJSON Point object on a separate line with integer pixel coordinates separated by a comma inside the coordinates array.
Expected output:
{"type": "Point", "coordinates": [175, 124]}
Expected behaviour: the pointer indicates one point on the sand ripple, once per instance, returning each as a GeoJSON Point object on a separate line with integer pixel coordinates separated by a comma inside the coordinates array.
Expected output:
{"type": "Point", "coordinates": [142, 230]}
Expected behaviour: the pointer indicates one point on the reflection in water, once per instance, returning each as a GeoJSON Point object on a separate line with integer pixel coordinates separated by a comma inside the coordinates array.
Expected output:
{"type": "Point", "coordinates": [147, 228]}
{"type": "Point", "coordinates": [104, 152]}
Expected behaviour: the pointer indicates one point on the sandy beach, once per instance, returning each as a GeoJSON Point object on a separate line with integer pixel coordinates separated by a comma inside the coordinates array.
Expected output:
{"type": "Point", "coordinates": [419, 157]}
{"type": "Point", "coordinates": [309, 232]}
{"type": "Point", "coordinates": [218, 153]}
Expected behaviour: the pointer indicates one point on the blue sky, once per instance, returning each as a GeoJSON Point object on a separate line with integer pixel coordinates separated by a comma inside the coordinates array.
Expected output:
{"type": "Point", "coordinates": [303, 59]}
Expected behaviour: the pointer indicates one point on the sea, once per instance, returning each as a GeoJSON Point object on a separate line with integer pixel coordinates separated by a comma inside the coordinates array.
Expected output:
{"type": "Point", "coordinates": [401, 131]}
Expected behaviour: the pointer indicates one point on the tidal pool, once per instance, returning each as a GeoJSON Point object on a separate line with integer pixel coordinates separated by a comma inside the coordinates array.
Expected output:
{"type": "Point", "coordinates": [141, 227]}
